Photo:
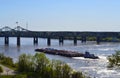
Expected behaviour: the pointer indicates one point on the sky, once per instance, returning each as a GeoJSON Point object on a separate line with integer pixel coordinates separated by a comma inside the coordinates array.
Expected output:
{"type": "Point", "coordinates": [61, 15]}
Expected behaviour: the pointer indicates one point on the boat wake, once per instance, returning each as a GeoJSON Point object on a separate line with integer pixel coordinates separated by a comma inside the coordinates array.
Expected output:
{"type": "Point", "coordinates": [104, 58]}
{"type": "Point", "coordinates": [97, 67]}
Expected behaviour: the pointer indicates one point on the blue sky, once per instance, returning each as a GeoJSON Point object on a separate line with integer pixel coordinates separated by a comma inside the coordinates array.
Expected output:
{"type": "Point", "coordinates": [61, 15]}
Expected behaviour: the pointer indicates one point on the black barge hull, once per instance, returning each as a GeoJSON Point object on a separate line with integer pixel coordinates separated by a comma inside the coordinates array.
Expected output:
{"type": "Point", "coordinates": [60, 52]}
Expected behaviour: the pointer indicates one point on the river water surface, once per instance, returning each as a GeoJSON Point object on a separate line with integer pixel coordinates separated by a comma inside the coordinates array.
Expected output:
{"type": "Point", "coordinates": [91, 67]}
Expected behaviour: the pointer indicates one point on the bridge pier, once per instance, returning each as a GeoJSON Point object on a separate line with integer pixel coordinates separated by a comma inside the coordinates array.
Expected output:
{"type": "Point", "coordinates": [75, 41]}
{"type": "Point", "coordinates": [48, 41]}
{"type": "Point", "coordinates": [98, 40]}
{"type": "Point", "coordinates": [83, 39]}
{"type": "Point", "coordinates": [61, 40]}
{"type": "Point", "coordinates": [35, 40]}
{"type": "Point", "coordinates": [18, 41]}
{"type": "Point", "coordinates": [6, 40]}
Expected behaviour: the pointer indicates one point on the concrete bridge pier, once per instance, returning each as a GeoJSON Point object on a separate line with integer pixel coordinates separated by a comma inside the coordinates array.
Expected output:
{"type": "Point", "coordinates": [48, 41]}
{"type": "Point", "coordinates": [18, 41]}
{"type": "Point", "coordinates": [83, 39]}
{"type": "Point", "coordinates": [75, 41]}
{"type": "Point", "coordinates": [61, 40]}
{"type": "Point", "coordinates": [35, 40]}
{"type": "Point", "coordinates": [98, 40]}
{"type": "Point", "coordinates": [6, 40]}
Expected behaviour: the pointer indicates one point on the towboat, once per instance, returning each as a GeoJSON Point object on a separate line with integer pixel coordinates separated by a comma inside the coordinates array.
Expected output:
{"type": "Point", "coordinates": [88, 55]}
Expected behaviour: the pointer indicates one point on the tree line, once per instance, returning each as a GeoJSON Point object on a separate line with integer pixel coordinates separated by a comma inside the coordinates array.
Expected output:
{"type": "Point", "coordinates": [39, 66]}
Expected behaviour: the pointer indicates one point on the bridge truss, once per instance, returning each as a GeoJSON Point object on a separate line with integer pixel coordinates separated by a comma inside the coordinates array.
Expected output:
{"type": "Point", "coordinates": [18, 28]}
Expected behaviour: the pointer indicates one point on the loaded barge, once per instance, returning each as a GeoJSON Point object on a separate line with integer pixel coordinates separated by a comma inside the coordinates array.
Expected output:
{"type": "Point", "coordinates": [66, 53]}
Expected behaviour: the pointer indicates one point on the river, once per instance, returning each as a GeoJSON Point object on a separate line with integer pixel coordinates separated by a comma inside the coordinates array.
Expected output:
{"type": "Point", "coordinates": [91, 67]}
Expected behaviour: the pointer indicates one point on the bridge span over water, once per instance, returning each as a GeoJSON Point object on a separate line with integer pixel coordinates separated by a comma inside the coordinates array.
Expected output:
{"type": "Point", "coordinates": [19, 32]}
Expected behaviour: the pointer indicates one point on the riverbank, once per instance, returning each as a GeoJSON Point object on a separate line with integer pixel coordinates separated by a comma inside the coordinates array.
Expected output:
{"type": "Point", "coordinates": [7, 71]}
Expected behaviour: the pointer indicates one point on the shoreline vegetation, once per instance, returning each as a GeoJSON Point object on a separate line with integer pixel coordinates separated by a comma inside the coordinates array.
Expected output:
{"type": "Point", "coordinates": [106, 39]}
{"type": "Point", "coordinates": [7, 61]}
{"type": "Point", "coordinates": [114, 60]}
{"type": "Point", "coordinates": [38, 66]}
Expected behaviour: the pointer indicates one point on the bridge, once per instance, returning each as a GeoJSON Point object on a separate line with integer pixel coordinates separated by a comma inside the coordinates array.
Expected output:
{"type": "Point", "coordinates": [19, 32]}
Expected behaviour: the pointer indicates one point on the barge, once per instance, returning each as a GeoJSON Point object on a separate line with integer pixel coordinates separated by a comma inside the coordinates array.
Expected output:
{"type": "Point", "coordinates": [66, 53]}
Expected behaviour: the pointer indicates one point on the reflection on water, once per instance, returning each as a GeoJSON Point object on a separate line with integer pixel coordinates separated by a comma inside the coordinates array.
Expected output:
{"type": "Point", "coordinates": [91, 67]}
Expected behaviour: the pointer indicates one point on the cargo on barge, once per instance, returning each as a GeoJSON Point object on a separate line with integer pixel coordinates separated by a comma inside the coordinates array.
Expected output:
{"type": "Point", "coordinates": [65, 53]}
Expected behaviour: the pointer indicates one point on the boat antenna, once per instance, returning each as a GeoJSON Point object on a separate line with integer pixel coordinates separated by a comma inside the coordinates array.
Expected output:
{"type": "Point", "coordinates": [26, 25]}
{"type": "Point", "coordinates": [17, 23]}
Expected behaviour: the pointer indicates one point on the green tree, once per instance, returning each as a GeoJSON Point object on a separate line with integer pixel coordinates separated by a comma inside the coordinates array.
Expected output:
{"type": "Point", "coordinates": [1, 56]}
{"type": "Point", "coordinates": [114, 60]}
{"type": "Point", "coordinates": [25, 63]}
{"type": "Point", "coordinates": [1, 69]}
{"type": "Point", "coordinates": [8, 61]}
{"type": "Point", "coordinates": [57, 67]}
{"type": "Point", "coordinates": [77, 75]}
{"type": "Point", "coordinates": [41, 63]}
{"type": "Point", "coordinates": [66, 70]}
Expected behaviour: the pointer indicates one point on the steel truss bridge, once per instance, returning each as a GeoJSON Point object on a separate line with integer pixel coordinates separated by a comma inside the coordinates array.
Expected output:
{"type": "Point", "coordinates": [19, 32]}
